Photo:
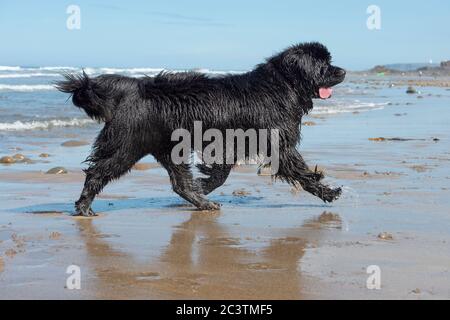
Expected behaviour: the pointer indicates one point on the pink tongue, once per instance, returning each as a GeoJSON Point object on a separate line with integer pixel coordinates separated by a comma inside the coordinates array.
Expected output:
{"type": "Point", "coordinates": [325, 93]}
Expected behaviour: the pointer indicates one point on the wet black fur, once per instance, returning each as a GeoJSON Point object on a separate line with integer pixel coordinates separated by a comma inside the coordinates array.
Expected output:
{"type": "Point", "coordinates": [140, 115]}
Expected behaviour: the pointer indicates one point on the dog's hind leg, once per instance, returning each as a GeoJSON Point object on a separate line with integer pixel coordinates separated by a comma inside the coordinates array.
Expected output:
{"type": "Point", "coordinates": [184, 185]}
{"type": "Point", "coordinates": [112, 157]}
{"type": "Point", "coordinates": [99, 174]}
{"type": "Point", "coordinates": [293, 169]}
{"type": "Point", "coordinates": [218, 174]}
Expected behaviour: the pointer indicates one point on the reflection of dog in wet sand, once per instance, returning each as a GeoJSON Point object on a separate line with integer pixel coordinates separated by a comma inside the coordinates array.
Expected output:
{"type": "Point", "coordinates": [203, 259]}
{"type": "Point", "coordinates": [140, 115]}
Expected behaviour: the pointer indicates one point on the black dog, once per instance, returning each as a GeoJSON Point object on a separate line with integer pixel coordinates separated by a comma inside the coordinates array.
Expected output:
{"type": "Point", "coordinates": [140, 115]}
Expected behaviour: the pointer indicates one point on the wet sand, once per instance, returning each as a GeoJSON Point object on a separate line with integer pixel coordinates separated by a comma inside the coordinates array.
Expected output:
{"type": "Point", "coordinates": [269, 242]}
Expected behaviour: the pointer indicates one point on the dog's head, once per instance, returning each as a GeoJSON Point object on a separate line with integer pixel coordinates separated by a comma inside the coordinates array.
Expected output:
{"type": "Point", "coordinates": [309, 65]}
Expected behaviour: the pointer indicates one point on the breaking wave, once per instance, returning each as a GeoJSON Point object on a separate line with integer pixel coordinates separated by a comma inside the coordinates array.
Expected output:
{"type": "Point", "coordinates": [43, 125]}
{"type": "Point", "coordinates": [28, 75]}
{"type": "Point", "coordinates": [26, 87]}
{"type": "Point", "coordinates": [345, 107]}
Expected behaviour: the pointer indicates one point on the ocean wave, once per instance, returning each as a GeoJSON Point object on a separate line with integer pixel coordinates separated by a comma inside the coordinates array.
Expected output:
{"type": "Point", "coordinates": [58, 68]}
{"type": "Point", "coordinates": [33, 71]}
{"type": "Point", "coordinates": [343, 107]}
{"type": "Point", "coordinates": [26, 87]}
{"type": "Point", "coordinates": [28, 75]}
{"type": "Point", "coordinates": [215, 72]}
{"type": "Point", "coordinates": [130, 70]}
{"type": "Point", "coordinates": [8, 68]}
{"type": "Point", "coordinates": [42, 125]}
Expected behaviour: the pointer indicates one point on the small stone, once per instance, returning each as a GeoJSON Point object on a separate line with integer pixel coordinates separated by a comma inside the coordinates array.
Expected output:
{"type": "Point", "coordinates": [19, 157]}
{"type": "Point", "coordinates": [240, 193]}
{"type": "Point", "coordinates": [416, 291]}
{"type": "Point", "coordinates": [55, 235]}
{"type": "Point", "coordinates": [419, 168]}
{"type": "Point", "coordinates": [57, 170]}
{"type": "Point", "coordinates": [7, 160]}
{"type": "Point", "coordinates": [10, 253]}
{"type": "Point", "coordinates": [377, 139]}
{"type": "Point", "coordinates": [385, 236]}
{"type": "Point", "coordinates": [411, 90]}
{"type": "Point", "coordinates": [309, 123]}
{"type": "Point", "coordinates": [44, 155]}
{"type": "Point", "coordinates": [74, 143]}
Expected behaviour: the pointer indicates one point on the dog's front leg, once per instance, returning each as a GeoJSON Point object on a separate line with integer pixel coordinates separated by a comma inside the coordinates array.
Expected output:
{"type": "Point", "coordinates": [218, 174]}
{"type": "Point", "coordinates": [293, 169]}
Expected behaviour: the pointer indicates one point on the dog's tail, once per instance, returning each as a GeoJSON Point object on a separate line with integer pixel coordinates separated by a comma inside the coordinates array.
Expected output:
{"type": "Point", "coordinates": [87, 95]}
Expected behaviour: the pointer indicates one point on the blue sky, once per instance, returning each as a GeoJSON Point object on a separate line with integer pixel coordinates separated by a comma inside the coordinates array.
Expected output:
{"type": "Point", "coordinates": [220, 35]}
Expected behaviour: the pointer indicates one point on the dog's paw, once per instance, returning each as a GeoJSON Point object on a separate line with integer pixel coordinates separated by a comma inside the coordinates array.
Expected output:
{"type": "Point", "coordinates": [210, 206]}
{"type": "Point", "coordinates": [329, 195]}
{"type": "Point", "coordinates": [82, 210]}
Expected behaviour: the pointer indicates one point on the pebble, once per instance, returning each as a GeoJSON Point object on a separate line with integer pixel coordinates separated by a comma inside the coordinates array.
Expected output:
{"type": "Point", "coordinates": [19, 157]}
{"type": "Point", "coordinates": [44, 155]}
{"type": "Point", "coordinates": [240, 193]}
{"type": "Point", "coordinates": [57, 170]}
{"type": "Point", "coordinates": [55, 235]}
{"type": "Point", "coordinates": [10, 253]}
{"type": "Point", "coordinates": [7, 160]}
{"type": "Point", "coordinates": [74, 143]}
{"type": "Point", "coordinates": [411, 90]}
{"type": "Point", "coordinates": [385, 236]}
{"type": "Point", "coordinates": [377, 139]}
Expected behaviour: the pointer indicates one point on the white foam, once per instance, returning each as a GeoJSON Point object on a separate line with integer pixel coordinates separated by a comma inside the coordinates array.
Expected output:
{"type": "Point", "coordinates": [131, 70]}
{"type": "Point", "coordinates": [28, 75]}
{"type": "Point", "coordinates": [41, 71]}
{"type": "Point", "coordinates": [8, 68]}
{"type": "Point", "coordinates": [26, 87]}
{"type": "Point", "coordinates": [343, 107]}
{"type": "Point", "coordinates": [58, 68]}
{"type": "Point", "coordinates": [41, 125]}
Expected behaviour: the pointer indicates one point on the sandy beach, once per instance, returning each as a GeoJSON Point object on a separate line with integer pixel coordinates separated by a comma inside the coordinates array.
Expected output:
{"type": "Point", "coordinates": [268, 241]}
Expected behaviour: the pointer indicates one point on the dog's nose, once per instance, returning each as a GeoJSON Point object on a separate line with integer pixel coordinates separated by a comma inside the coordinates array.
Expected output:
{"type": "Point", "coordinates": [340, 72]}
